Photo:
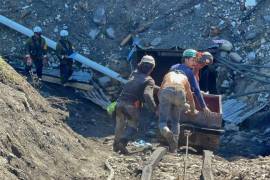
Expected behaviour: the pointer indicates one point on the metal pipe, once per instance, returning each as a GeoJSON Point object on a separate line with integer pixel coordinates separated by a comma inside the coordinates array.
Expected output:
{"type": "Point", "coordinates": [52, 44]}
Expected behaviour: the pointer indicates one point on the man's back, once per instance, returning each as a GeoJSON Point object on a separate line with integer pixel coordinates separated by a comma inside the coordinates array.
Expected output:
{"type": "Point", "coordinates": [174, 78]}
{"type": "Point", "coordinates": [180, 80]}
{"type": "Point", "coordinates": [135, 86]}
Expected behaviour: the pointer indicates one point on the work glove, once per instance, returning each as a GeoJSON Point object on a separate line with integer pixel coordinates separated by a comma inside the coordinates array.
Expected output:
{"type": "Point", "coordinates": [28, 60]}
{"type": "Point", "coordinates": [64, 56]}
{"type": "Point", "coordinates": [45, 60]}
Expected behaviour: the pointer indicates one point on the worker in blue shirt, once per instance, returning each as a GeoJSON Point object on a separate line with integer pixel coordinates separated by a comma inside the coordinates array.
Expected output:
{"type": "Point", "coordinates": [189, 59]}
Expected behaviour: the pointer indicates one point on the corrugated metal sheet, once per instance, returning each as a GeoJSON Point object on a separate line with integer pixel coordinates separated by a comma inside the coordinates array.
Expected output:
{"type": "Point", "coordinates": [236, 110]}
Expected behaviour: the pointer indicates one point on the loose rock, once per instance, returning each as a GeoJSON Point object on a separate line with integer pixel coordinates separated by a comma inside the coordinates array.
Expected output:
{"type": "Point", "coordinates": [99, 16]}
{"type": "Point", "coordinates": [226, 46]}
{"type": "Point", "coordinates": [236, 57]}
{"type": "Point", "coordinates": [94, 33]}
{"type": "Point", "coordinates": [156, 41]}
{"type": "Point", "coordinates": [110, 33]}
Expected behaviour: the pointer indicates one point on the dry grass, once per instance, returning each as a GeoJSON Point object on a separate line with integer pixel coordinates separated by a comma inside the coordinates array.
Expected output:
{"type": "Point", "coordinates": [8, 74]}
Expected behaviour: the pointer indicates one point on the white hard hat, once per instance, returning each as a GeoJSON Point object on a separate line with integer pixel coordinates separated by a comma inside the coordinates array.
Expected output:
{"type": "Point", "coordinates": [148, 59]}
{"type": "Point", "coordinates": [37, 29]}
{"type": "Point", "coordinates": [63, 33]}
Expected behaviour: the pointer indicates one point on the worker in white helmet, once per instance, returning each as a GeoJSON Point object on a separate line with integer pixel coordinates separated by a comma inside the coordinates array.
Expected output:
{"type": "Point", "coordinates": [64, 49]}
{"type": "Point", "coordinates": [36, 50]}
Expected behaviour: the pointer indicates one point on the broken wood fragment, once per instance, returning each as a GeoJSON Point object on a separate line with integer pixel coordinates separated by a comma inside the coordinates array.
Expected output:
{"type": "Point", "coordinates": [152, 163]}
{"type": "Point", "coordinates": [207, 167]}
{"type": "Point", "coordinates": [107, 164]}
{"type": "Point", "coordinates": [77, 85]}
{"type": "Point", "coordinates": [126, 40]}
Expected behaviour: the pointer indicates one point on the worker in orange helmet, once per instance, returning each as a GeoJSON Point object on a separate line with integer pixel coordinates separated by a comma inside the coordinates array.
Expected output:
{"type": "Point", "coordinates": [203, 59]}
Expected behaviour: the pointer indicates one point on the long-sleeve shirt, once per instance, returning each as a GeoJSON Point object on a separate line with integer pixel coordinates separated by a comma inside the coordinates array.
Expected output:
{"type": "Point", "coordinates": [196, 70]}
{"type": "Point", "coordinates": [64, 48]}
{"type": "Point", "coordinates": [36, 47]}
{"type": "Point", "coordinates": [140, 87]}
{"type": "Point", "coordinates": [192, 81]}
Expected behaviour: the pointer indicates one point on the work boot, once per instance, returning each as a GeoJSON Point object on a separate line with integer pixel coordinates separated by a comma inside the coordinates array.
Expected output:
{"type": "Point", "coordinates": [170, 139]}
{"type": "Point", "coordinates": [120, 147]}
{"type": "Point", "coordinates": [115, 147]}
{"type": "Point", "coordinates": [176, 140]}
{"type": "Point", "coordinates": [172, 143]}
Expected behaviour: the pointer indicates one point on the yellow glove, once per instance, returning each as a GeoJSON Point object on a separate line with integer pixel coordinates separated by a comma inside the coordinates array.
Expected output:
{"type": "Point", "coordinates": [111, 107]}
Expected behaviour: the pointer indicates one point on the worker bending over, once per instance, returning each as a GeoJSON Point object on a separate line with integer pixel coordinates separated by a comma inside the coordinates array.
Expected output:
{"type": "Point", "coordinates": [137, 90]}
{"type": "Point", "coordinates": [175, 97]}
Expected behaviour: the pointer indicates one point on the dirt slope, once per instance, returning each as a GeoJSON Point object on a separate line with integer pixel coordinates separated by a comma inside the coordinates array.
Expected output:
{"type": "Point", "coordinates": [35, 142]}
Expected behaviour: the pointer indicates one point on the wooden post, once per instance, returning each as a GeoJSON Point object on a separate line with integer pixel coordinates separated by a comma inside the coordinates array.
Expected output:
{"type": "Point", "coordinates": [207, 167]}
{"type": "Point", "coordinates": [152, 163]}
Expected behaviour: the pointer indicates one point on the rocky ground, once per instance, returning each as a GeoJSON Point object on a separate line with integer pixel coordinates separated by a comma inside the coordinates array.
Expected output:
{"type": "Point", "coordinates": [97, 28]}
{"type": "Point", "coordinates": [36, 143]}
{"type": "Point", "coordinates": [59, 135]}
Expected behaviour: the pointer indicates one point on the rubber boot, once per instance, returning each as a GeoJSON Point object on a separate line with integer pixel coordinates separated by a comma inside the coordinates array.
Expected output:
{"type": "Point", "coordinates": [176, 140]}
{"type": "Point", "coordinates": [115, 146]}
{"type": "Point", "coordinates": [170, 139]}
{"type": "Point", "coordinates": [121, 146]}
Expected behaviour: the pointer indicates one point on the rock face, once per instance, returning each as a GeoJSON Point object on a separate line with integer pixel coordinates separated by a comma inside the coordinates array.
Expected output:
{"type": "Point", "coordinates": [35, 142]}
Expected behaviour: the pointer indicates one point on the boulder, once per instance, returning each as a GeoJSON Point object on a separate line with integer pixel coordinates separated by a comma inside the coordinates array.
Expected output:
{"type": "Point", "coordinates": [235, 56]}
{"type": "Point", "coordinates": [226, 46]}
{"type": "Point", "coordinates": [100, 16]}
{"type": "Point", "coordinates": [110, 33]}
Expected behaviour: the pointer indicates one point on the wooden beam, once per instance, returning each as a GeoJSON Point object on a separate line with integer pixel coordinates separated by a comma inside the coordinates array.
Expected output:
{"type": "Point", "coordinates": [107, 164]}
{"type": "Point", "coordinates": [207, 167]}
{"type": "Point", "coordinates": [152, 163]}
{"type": "Point", "coordinates": [77, 85]}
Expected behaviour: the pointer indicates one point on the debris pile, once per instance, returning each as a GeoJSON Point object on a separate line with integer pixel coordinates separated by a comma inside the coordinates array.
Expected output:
{"type": "Point", "coordinates": [35, 141]}
{"type": "Point", "coordinates": [104, 31]}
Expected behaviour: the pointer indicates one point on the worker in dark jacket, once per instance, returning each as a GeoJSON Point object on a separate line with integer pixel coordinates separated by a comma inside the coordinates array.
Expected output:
{"type": "Point", "coordinates": [207, 73]}
{"type": "Point", "coordinates": [138, 89]}
{"type": "Point", "coordinates": [36, 50]}
{"type": "Point", "coordinates": [64, 49]}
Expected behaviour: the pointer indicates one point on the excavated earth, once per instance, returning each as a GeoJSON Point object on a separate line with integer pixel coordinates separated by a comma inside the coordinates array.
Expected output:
{"type": "Point", "coordinates": [53, 133]}
{"type": "Point", "coordinates": [36, 143]}
{"type": "Point", "coordinates": [58, 135]}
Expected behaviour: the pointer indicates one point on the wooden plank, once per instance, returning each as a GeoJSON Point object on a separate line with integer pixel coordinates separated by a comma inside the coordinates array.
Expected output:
{"type": "Point", "coordinates": [80, 76]}
{"type": "Point", "coordinates": [107, 164]}
{"type": "Point", "coordinates": [152, 163]}
{"type": "Point", "coordinates": [207, 166]}
{"type": "Point", "coordinates": [77, 85]}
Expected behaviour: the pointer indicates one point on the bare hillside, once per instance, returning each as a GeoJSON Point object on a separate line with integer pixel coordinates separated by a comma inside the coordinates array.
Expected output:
{"type": "Point", "coordinates": [35, 142]}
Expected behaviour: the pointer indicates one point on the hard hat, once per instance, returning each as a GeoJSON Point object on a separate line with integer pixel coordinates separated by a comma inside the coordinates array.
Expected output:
{"type": "Point", "coordinates": [37, 29]}
{"type": "Point", "coordinates": [190, 53]}
{"type": "Point", "coordinates": [148, 59]}
{"type": "Point", "coordinates": [63, 33]}
{"type": "Point", "coordinates": [207, 58]}
{"type": "Point", "coordinates": [208, 54]}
